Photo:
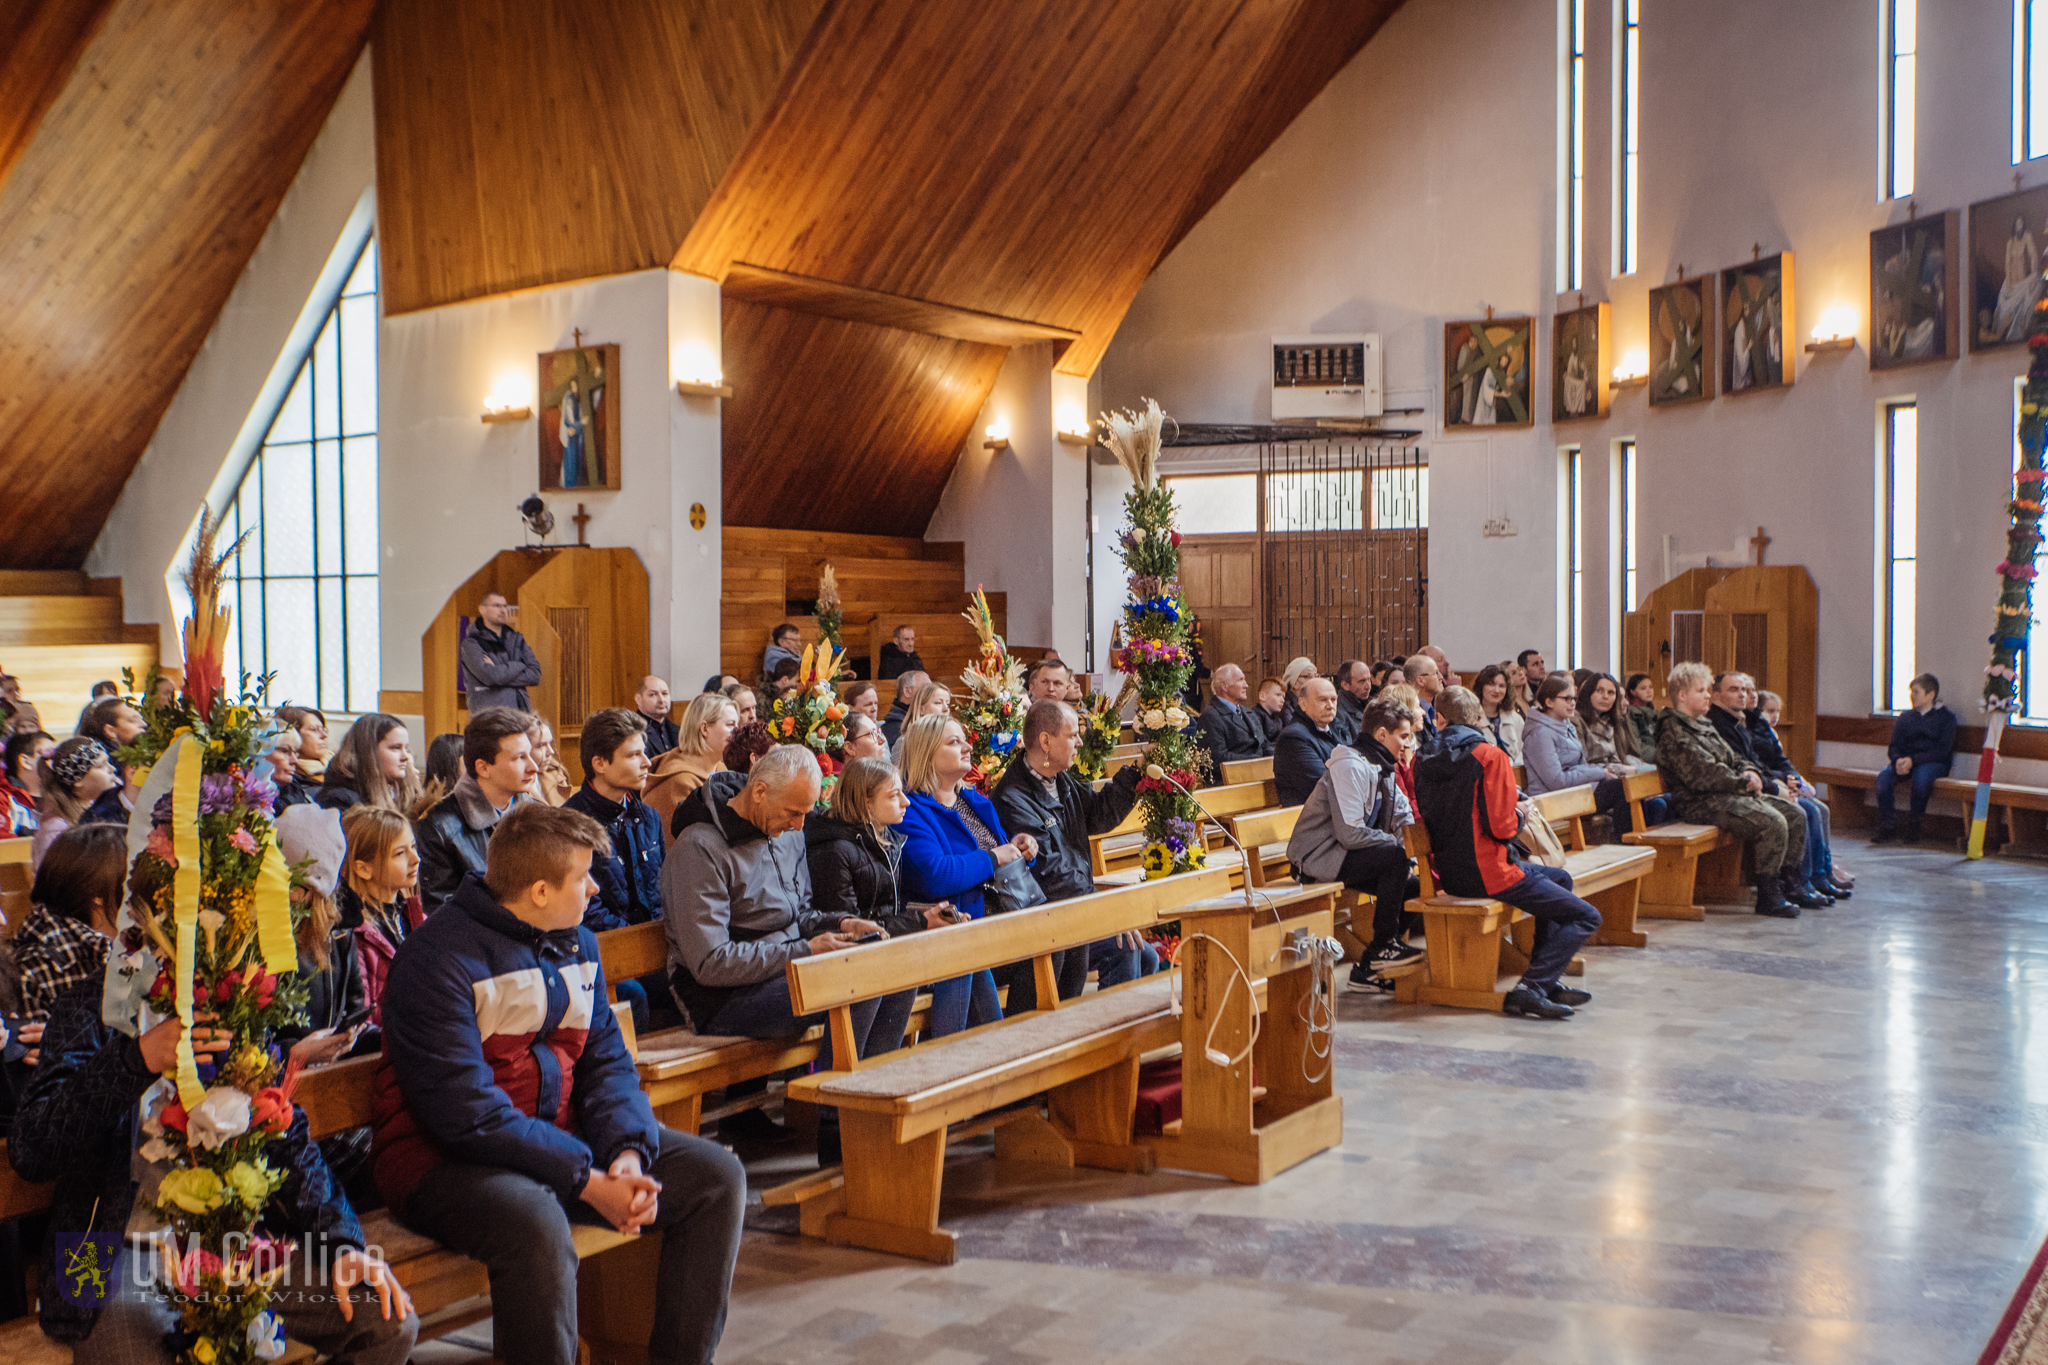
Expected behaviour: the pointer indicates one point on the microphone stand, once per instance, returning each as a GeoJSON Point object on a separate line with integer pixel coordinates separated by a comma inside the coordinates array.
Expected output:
{"type": "Point", "coordinates": [1161, 774]}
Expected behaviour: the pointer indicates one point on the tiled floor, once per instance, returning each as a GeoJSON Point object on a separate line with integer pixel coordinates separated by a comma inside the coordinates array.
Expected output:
{"type": "Point", "coordinates": [1821, 1141]}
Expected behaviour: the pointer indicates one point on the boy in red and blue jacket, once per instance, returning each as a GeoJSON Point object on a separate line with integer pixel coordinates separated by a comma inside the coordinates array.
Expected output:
{"type": "Point", "coordinates": [507, 1106]}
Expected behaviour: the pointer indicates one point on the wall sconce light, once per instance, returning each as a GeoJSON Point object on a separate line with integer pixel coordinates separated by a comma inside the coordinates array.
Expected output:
{"type": "Point", "coordinates": [998, 434]}
{"type": "Point", "coordinates": [1836, 330]}
{"type": "Point", "coordinates": [697, 373]}
{"type": "Point", "coordinates": [509, 399]}
{"type": "Point", "coordinates": [1070, 424]}
{"type": "Point", "coordinates": [1633, 372]}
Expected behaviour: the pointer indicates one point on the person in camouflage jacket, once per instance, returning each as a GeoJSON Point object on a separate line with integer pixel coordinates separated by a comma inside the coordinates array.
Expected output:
{"type": "Point", "coordinates": [1708, 784]}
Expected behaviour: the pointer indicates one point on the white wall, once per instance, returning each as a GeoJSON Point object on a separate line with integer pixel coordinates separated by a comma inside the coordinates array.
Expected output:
{"type": "Point", "coordinates": [452, 483]}
{"type": "Point", "coordinates": [1420, 186]}
{"type": "Point", "coordinates": [241, 373]}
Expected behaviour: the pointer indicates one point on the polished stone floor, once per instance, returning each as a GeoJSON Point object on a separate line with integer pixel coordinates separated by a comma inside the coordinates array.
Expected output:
{"type": "Point", "coordinates": [1817, 1141]}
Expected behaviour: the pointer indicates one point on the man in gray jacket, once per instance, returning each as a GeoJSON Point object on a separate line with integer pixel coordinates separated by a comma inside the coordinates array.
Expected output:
{"type": "Point", "coordinates": [736, 897]}
{"type": "Point", "coordinates": [497, 663]}
{"type": "Point", "coordinates": [1350, 832]}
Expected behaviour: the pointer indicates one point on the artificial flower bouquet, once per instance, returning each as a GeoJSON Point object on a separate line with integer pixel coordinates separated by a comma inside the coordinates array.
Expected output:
{"type": "Point", "coordinates": [992, 706]}
{"type": "Point", "coordinates": [1101, 725]}
{"type": "Point", "coordinates": [827, 611]}
{"type": "Point", "coordinates": [813, 715]}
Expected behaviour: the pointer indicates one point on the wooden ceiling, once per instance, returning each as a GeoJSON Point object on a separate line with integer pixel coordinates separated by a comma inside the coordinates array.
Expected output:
{"type": "Point", "coordinates": [149, 155]}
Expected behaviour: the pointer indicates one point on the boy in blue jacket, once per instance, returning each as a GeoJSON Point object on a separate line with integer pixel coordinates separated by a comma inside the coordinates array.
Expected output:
{"type": "Point", "coordinates": [507, 1107]}
{"type": "Point", "coordinates": [615, 767]}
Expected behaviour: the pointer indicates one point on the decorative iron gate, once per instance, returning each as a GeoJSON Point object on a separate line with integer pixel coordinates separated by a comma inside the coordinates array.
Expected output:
{"type": "Point", "coordinates": [1345, 551]}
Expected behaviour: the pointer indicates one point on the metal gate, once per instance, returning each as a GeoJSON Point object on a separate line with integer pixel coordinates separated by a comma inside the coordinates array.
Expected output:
{"type": "Point", "coordinates": [1345, 551]}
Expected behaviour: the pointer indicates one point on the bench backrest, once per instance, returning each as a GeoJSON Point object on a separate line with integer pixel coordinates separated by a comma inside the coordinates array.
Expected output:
{"type": "Point", "coordinates": [632, 952]}
{"type": "Point", "coordinates": [1248, 770]}
{"type": "Point", "coordinates": [835, 981]}
{"type": "Point", "coordinates": [1638, 788]}
{"type": "Point", "coordinates": [1258, 829]}
{"type": "Point", "coordinates": [1416, 836]}
{"type": "Point", "coordinates": [1570, 805]}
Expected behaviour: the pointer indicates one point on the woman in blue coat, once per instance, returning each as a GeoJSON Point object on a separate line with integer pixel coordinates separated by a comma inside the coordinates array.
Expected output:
{"type": "Point", "coordinates": [953, 843]}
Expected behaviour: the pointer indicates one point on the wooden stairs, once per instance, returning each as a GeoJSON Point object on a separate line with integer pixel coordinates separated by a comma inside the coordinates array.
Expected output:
{"type": "Point", "coordinates": [61, 632]}
{"type": "Point", "coordinates": [884, 582]}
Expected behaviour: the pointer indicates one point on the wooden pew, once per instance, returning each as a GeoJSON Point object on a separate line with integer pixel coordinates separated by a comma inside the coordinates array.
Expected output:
{"type": "Point", "coordinates": [614, 1285]}
{"type": "Point", "coordinates": [2021, 826]}
{"type": "Point", "coordinates": [1609, 876]}
{"type": "Point", "coordinates": [1247, 770]}
{"type": "Point", "coordinates": [896, 1110]}
{"type": "Point", "coordinates": [1669, 890]}
{"type": "Point", "coordinates": [1124, 846]}
{"type": "Point", "coordinates": [1467, 942]}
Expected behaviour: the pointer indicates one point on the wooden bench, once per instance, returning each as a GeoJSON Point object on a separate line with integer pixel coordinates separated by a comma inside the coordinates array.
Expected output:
{"type": "Point", "coordinates": [1689, 857]}
{"type": "Point", "coordinates": [896, 1111]}
{"type": "Point", "coordinates": [1124, 846]}
{"type": "Point", "coordinates": [1246, 770]}
{"type": "Point", "coordinates": [2021, 828]}
{"type": "Point", "coordinates": [449, 1291]}
{"type": "Point", "coordinates": [1470, 942]}
{"type": "Point", "coordinates": [1609, 876]}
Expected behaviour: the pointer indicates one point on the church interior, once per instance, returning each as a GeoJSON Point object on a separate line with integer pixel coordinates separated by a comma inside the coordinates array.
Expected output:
{"type": "Point", "coordinates": [1509, 361]}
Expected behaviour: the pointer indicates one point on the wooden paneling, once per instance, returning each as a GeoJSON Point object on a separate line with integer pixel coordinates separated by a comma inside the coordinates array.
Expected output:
{"type": "Point", "coordinates": [828, 299]}
{"type": "Point", "coordinates": [844, 426]}
{"type": "Point", "coordinates": [40, 42]}
{"type": "Point", "coordinates": [521, 142]}
{"type": "Point", "coordinates": [125, 223]}
{"type": "Point", "coordinates": [1219, 581]}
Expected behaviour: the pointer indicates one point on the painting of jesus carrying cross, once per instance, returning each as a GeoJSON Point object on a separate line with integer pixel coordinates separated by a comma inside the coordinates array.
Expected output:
{"type": "Point", "coordinates": [1486, 373]}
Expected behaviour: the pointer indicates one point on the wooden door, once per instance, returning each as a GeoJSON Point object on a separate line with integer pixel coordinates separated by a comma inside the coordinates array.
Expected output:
{"type": "Point", "coordinates": [1219, 581]}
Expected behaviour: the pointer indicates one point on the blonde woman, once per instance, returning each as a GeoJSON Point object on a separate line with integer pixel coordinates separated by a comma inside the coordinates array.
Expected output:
{"type": "Point", "coordinates": [1295, 677]}
{"type": "Point", "coordinates": [930, 699]}
{"type": "Point", "coordinates": [550, 780]}
{"type": "Point", "coordinates": [707, 723]}
{"type": "Point", "coordinates": [953, 844]}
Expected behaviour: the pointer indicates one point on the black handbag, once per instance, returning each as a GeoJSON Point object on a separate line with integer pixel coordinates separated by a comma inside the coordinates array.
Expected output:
{"type": "Point", "coordinates": [1013, 888]}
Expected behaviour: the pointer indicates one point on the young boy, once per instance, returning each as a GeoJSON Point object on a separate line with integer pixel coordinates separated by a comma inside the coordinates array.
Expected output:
{"type": "Point", "coordinates": [507, 1106]}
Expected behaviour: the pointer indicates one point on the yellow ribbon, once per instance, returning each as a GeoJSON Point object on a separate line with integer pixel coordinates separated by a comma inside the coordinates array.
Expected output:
{"type": "Point", "coordinates": [185, 885]}
{"type": "Point", "coordinates": [274, 911]}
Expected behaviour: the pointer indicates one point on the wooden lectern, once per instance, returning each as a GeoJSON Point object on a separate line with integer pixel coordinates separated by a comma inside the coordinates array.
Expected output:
{"type": "Point", "coordinates": [584, 611]}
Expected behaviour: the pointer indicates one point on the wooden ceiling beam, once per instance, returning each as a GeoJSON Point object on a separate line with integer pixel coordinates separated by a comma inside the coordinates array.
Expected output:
{"type": "Point", "coordinates": [40, 42]}
{"type": "Point", "coordinates": [850, 303]}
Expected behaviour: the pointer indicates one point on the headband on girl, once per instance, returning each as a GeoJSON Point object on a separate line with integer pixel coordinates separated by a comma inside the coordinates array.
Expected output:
{"type": "Point", "coordinates": [71, 768]}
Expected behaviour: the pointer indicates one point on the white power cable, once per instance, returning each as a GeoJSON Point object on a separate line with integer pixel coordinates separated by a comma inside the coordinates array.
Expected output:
{"type": "Point", "coordinates": [1319, 1007]}
{"type": "Point", "coordinates": [1209, 1048]}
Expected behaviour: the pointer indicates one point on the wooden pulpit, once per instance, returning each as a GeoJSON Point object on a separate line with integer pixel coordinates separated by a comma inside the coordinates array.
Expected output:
{"type": "Point", "coordinates": [584, 611]}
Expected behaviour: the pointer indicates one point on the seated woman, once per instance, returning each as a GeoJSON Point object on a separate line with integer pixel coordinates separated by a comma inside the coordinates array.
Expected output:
{"type": "Point", "coordinates": [953, 844]}
{"type": "Point", "coordinates": [378, 898]}
{"type": "Point", "coordinates": [373, 766]}
{"type": "Point", "coordinates": [1922, 748]}
{"type": "Point", "coordinates": [862, 699]}
{"type": "Point", "coordinates": [863, 739]}
{"type": "Point", "coordinates": [1706, 783]}
{"type": "Point", "coordinates": [1640, 692]}
{"type": "Point", "coordinates": [551, 782]}
{"type": "Point", "coordinates": [1295, 679]}
{"type": "Point", "coordinates": [855, 851]}
{"type": "Point", "coordinates": [707, 723]}
{"type": "Point", "coordinates": [930, 699]}
{"type": "Point", "coordinates": [1761, 716]}
{"type": "Point", "coordinates": [75, 900]}
{"type": "Point", "coordinates": [1607, 733]}
{"type": "Point", "coordinates": [1555, 757]}
{"type": "Point", "coordinates": [20, 787]}
{"type": "Point", "coordinates": [1498, 703]}
{"type": "Point", "coordinates": [71, 777]}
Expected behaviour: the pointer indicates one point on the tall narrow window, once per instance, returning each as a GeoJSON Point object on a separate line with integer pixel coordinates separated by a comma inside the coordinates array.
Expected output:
{"type": "Point", "coordinates": [1572, 202]}
{"type": "Point", "coordinates": [1896, 137]}
{"type": "Point", "coordinates": [1901, 549]}
{"type": "Point", "coordinates": [1628, 88]}
{"type": "Point", "coordinates": [304, 585]}
{"type": "Point", "coordinates": [1571, 558]}
{"type": "Point", "coordinates": [1625, 468]}
{"type": "Point", "coordinates": [2029, 80]}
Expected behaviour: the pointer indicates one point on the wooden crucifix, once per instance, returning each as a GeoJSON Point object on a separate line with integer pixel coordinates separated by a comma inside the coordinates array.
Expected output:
{"type": "Point", "coordinates": [1757, 543]}
{"type": "Point", "coordinates": [582, 519]}
{"type": "Point", "coordinates": [575, 337]}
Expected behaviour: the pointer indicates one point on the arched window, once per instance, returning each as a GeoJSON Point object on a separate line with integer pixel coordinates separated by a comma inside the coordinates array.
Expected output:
{"type": "Point", "coordinates": [304, 586]}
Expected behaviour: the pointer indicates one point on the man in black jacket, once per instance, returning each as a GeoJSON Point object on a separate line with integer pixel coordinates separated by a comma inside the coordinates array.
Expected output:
{"type": "Point", "coordinates": [1229, 731]}
{"type": "Point", "coordinates": [1039, 795]}
{"type": "Point", "coordinates": [1354, 690]}
{"type": "Point", "coordinates": [651, 701]}
{"type": "Point", "coordinates": [1304, 747]}
{"type": "Point", "coordinates": [899, 656]}
{"type": "Point", "coordinates": [497, 769]}
{"type": "Point", "coordinates": [497, 663]}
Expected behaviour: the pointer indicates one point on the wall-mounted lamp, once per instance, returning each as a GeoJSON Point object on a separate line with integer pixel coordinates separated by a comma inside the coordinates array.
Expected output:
{"type": "Point", "coordinates": [998, 434]}
{"type": "Point", "coordinates": [1070, 424]}
{"type": "Point", "coordinates": [510, 400]}
{"type": "Point", "coordinates": [1633, 372]}
{"type": "Point", "coordinates": [697, 373]}
{"type": "Point", "coordinates": [1836, 330]}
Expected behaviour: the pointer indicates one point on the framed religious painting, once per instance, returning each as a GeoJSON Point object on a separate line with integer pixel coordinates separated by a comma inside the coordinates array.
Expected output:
{"type": "Point", "coordinates": [1756, 303]}
{"type": "Point", "coordinates": [1682, 351]}
{"type": "Point", "coordinates": [579, 418]}
{"type": "Point", "coordinates": [1913, 305]}
{"type": "Point", "coordinates": [1487, 364]}
{"type": "Point", "coordinates": [1579, 364]}
{"type": "Point", "coordinates": [2008, 236]}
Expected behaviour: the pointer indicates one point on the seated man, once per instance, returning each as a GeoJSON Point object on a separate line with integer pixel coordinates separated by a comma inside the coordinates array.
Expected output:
{"type": "Point", "coordinates": [1472, 809]}
{"type": "Point", "coordinates": [1734, 719]}
{"type": "Point", "coordinates": [736, 891]}
{"type": "Point", "coordinates": [1350, 832]}
{"type": "Point", "coordinates": [651, 701]}
{"type": "Point", "coordinates": [497, 770]}
{"type": "Point", "coordinates": [1041, 796]}
{"type": "Point", "coordinates": [1272, 710]}
{"type": "Point", "coordinates": [1427, 678]}
{"type": "Point", "coordinates": [1922, 750]}
{"type": "Point", "coordinates": [1304, 747]}
{"type": "Point", "coordinates": [1707, 783]}
{"type": "Point", "coordinates": [628, 874]}
{"type": "Point", "coordinates": [899, 656]}
{"type": "Point", "coordinates": [1354, 690]}
{"type": "Point", "coordinates": [785, 642]}
{"type": "Point", "coordinates": [899, 709]}
{"type": "Point", "coordinates": [1047, 680]}
{"type": "Point", "coordinates": [1229, 731]}
{"type": "Point", "coordinates": [507, 1107]}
